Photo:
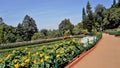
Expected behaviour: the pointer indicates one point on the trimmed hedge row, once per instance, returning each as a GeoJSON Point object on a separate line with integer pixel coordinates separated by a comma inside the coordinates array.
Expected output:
{"type": "Point", "coordinates": [26, 43]}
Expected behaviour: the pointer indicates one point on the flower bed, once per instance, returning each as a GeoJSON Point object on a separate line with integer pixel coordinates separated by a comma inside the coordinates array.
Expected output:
{"type": "Point", "coordinates": [87, 39]}
{"type": "Point", "coordinates": [55, 55]}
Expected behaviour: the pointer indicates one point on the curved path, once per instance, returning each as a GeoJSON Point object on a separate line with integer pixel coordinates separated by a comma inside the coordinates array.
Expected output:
{"type": "Point", "coordinates": [105, 55]}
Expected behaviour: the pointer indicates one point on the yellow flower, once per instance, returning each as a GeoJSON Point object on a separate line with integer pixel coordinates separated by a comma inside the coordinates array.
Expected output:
{"type": "Point", "coordinates": [16, 66]}
{"type": "Point", "coordinates": [41, 60]}
{"type": "Point", "coordinates": [13, 51]}
{"type": "Point", "coordinates": [36, 53]}
{"type": "Point", "coordinates": [29, 53]}
{"type": "Point", "coordinates": [24, 58]}
{"type": "Point", "coordinates": [68, 42]}
{"type": "Point", "coordinates": [15, 61]}
{"type": "Point", "coordinates": [72, 47]}
{"type": "Point", "coordinates": [46, 57]}
{"type": "Point", "coordinates": [43, 47]}
{"type": "Point", "coordinates": [0, 60]}
{"type": "Point", "coordinates": [73, 40]}
{"type": "Point", "coordinates": [23, 64]}
{"type": "Point", "coordinates": [58, 56]}
{"type": "Point", "coordinates": [56, 45]}
{"type": "Point", "coordinates": [35, 62]}
{"type": "Point", "coordinates": [62, 51]}
{"type": "Point", "coordinates": [41, 55]}
{"type": "Point", "coordinates": [27, 60]}
{"type": "Point", "coordinates": [26, 48]}
{"type": "Point", "coordinates": [8, 57]}
{"type": "Point", "coordinates": [52, 51]}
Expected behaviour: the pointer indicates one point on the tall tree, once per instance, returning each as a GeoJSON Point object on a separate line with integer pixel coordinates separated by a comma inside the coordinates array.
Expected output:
{"type": "Point", "coordinates": [19, 33]}
{"type": "Point", "coordinates": [84, 18]}
{"type": "Point", "coordinates": [89, 17]}
{"type": "Point", "coordinates": [114, 18]}
{"type": "Point", "coordinates": [1, 20]}
{"type": "Point", "coordinates": [118, 3]}
{"type": "Point", "coordinates": [44, 32]}
{"type": "Point", "coordinates": [30, 27]}
{"type": "Point", "coordinates": [65, 25]}
{"type": "Point", "coordinates": [89, 11]}
{"type": "Point", "coordinates": [114, 2]}
{"type": "Point", "coordinates": [100, 15]}
{"type": "Point", "coordinates": [1, 34]}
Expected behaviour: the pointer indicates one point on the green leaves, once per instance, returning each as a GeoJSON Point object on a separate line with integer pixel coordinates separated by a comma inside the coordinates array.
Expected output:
{"type": "Point", "coordinates": [29, 26]}
{"type": "Point", "coordinates": [46, 56]}
{"type": "Point", "coordinates": [65, 25]}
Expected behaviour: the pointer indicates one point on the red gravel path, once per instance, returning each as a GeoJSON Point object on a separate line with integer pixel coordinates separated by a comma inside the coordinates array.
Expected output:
{"type": "Point", "coordinates": [105, 55]}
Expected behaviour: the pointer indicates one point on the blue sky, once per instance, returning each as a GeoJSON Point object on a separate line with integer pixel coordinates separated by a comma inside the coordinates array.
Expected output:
{"type": "Point", "coordinates": [47, 13]}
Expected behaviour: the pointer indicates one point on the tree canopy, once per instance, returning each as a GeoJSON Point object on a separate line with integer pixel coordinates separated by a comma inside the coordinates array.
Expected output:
{"type": "Point", "coordinates": [65, 25]}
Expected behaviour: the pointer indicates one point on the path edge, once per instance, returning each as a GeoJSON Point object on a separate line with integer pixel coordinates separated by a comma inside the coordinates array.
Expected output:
{"type": "Point", "coordinates": [82, 55]}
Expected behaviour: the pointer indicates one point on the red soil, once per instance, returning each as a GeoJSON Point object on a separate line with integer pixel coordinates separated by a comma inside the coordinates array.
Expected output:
{"type": "Point", "coordinates": [105, 55]}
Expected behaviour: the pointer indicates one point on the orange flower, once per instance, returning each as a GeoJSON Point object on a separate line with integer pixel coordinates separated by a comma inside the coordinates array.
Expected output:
{"type": "Point", "coordinates": [36, 53]}
{"type": "Point", "coordinates": [35, 62]}
{"type": "Point", "coordinates": [26, 48]}
{"type": "Point", "coordinates": [8, 57]}
{"type": "Point", "coordinates": [29, 53]}
{"type": "Point", "coordinates": [0, 60]}
{"type": "Point", "coordinates": [16, 66]}
{"type": "Point", "coordinates": [15, 61]}
{"type": "Point", "coordinates": [41, 55]}
{"type": "Point", "coordinates": [23, 64]}
{"type": "Point", "coordinates": [46, 57]}
{"type": "Point", "coordinates": [58, 56]}
{"type": "Point", "coordinates": [68, 42]}
{"type": "Point", "coordinates": [41, 60]}
{"type": "Point", "coordinates": [27, 60]}
{"type": "Point", "coordinates": [13, 51]}
{"type": "Point", "coordinates": [24, 58]}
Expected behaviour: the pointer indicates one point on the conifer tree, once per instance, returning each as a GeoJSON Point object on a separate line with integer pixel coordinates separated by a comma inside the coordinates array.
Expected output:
{"type": "Point", "coordinates": [84, 18]}
{"type": "Point", "coordinates": [89, 17]}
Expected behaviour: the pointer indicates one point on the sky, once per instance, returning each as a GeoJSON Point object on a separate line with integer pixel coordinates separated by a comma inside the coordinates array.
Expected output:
{"type": "Point", "coordinates": [48, 14]}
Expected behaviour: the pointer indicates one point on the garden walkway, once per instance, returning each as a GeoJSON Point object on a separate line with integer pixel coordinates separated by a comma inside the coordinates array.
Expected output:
{"type": "Point", "coordinates": [105, 55]}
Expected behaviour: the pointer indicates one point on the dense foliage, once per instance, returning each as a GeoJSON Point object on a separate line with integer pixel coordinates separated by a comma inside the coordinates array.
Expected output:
{"type": "Point", "coordinates": [103, 18]}
{"type": "Point", "coordinates": [64, 26]}
{"type": "Point", "coordinates": [46, 56]}
{"type": "Point", "coordinates": [115, 32]}
{"type": "Point", "coordinates": [29, 26]}
{"type": "Point", "coordinates": [55, 55]}
{"type": "Point", "coordinates": [23, 32]}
